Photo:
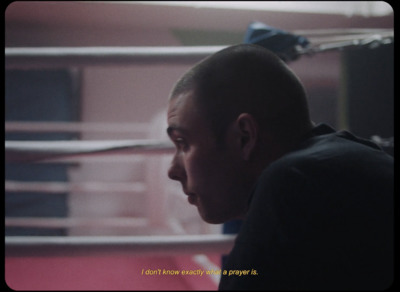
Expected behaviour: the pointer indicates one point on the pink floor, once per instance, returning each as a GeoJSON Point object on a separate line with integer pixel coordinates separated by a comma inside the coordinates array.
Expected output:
{"type": "Point", "coordinates": [105, 273]}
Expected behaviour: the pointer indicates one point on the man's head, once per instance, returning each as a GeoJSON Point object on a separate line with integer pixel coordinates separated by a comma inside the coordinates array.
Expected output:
{"type": "Point", "coordinates": [230, 116]}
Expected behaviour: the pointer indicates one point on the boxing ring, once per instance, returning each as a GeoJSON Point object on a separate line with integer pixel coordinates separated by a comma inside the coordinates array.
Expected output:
{"type": "Point", "coordinates": [323, 40]}
{"type": "Point", "coordinates": [123, 247]}
{"type": "Point", "coordinates": [131, 253]}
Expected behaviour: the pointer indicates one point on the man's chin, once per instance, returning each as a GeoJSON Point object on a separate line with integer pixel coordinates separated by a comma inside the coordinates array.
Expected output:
{"type": "Point", "coordinates": [212, 218]}
{"type": "Point", "coordinates": [218, 217]}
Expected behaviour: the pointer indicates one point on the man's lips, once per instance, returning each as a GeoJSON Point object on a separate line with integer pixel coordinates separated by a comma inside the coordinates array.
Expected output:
{"type": "Point", "coordinates": [191, 197]}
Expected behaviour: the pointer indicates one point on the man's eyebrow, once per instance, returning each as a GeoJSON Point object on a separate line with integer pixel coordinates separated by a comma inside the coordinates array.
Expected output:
{"type": "Point", "coordinates": [172, 129]}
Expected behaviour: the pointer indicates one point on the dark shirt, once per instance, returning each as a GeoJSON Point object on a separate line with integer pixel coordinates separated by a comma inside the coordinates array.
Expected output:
{"type": "Point", "coordinates": [320, 217]}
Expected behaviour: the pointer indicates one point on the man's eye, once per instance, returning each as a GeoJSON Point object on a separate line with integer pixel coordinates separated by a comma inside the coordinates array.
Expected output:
{"type": "Point", "coordinates": [181, 144]}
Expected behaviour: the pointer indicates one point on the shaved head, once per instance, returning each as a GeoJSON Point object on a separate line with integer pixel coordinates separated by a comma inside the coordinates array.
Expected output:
{"type": "Point", "coordinates": [247, 79]}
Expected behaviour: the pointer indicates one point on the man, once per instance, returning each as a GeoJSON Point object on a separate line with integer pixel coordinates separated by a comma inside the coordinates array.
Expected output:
{"type": "Point", "coordinates": [317, 204]}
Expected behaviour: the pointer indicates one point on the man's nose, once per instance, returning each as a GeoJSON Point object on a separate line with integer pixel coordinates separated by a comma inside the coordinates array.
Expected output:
{"type": "Point", "coordinates": [176, 170]}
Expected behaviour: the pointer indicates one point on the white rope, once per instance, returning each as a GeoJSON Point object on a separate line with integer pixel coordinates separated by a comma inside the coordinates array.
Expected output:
{"type": "Point", "coordinates": [341, 32]}
{"type": "Point", "coordinates": [36, 222]}
{"type": "Point", "coordinates": [89, 56]}
{"type": "Point", "coordinates": [126, 245]}
{"type": "Point", "coordinates": [45, 127]}
{"type": "Point", "coordinates": [29, 151]}
{"type": "Point", "coordinates": [321, 40]}
{"type": "Point", "coordinates": [84, 187]}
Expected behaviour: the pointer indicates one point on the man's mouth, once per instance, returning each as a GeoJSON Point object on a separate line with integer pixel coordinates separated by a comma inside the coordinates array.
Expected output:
{"type": "Point", "coordinates": [192, 199]}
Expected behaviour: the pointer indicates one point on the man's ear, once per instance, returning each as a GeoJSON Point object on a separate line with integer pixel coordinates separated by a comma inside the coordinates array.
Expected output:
{"type": "Point", "coordinates": [247, 128]}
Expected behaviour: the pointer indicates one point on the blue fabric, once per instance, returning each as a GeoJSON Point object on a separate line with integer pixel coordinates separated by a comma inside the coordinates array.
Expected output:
{"type": "Point", "coordinates": [276, 40]}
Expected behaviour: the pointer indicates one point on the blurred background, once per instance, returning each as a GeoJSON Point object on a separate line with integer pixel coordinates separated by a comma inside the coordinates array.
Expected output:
{"type": "Point", "coordinates": [131, 195]}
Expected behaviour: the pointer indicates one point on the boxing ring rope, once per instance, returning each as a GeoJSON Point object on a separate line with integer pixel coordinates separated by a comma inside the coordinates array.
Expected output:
{"type": "Point", "coordinates": [61, 187]}
{"type": "Point", "coordinates": [27, 57]}
{"type": "Point", "coordinates": [83, 56]}
{"type": "Point", "coordinates": [21, 246]}
{"type": "Point", "coordinates": [33, 151]}
{"type": "Point", "coordinates": [74, 127]}
{"type": "Point", "coordinates": [50, 222]}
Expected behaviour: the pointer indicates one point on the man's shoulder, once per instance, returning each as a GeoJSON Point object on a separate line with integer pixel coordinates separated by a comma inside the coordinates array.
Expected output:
{"type": "Point", "coordinates": [328, 160]}
{"type": "Point", "coordinates": [332, 149]}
